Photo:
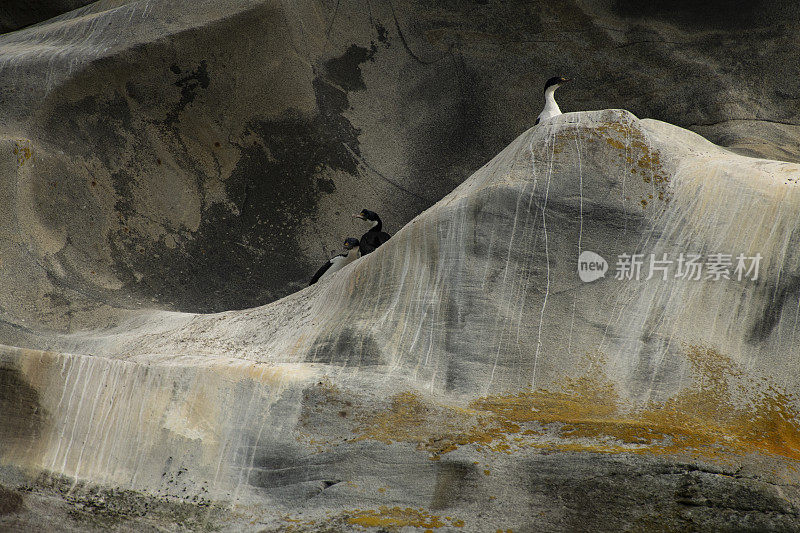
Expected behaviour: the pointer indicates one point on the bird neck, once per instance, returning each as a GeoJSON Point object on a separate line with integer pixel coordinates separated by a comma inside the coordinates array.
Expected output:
{"type": "Point", "coordinates": [352, 253]}
{"type": "Point", "coordinates": [377, 225]}
{"type": "Point", "coordinates": [550, 99]}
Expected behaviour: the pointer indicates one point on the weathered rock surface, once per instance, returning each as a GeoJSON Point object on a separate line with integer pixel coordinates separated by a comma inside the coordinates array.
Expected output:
{"type": "Point", "coordinates": [216, 150]}
{"type": "Point", "coordinates": [413, 387]}
{"type": "Point", "coordinates": [162, 159]}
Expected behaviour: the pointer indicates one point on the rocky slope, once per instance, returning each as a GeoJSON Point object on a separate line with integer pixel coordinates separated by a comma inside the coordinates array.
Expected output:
{"type": "Point", "coordinates": [162, 160]}
{"type": "Point", "coordinates": [463, 369]}
{"type": "Point", "coordinates": [216, 152]}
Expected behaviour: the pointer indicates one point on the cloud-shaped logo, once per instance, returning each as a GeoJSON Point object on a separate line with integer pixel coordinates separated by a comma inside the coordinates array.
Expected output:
{"type": "Point", "coordinates": [591, 266]}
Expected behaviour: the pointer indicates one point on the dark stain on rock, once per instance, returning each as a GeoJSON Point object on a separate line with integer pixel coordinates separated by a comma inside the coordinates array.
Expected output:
{"type": "Point", "coordinates": [598, 493]}
{"type": "Point", "coordinates": [249, 256]}
{"type": "Point", "coordinates": [241, 255]}
{"type": "Point", "coordinates": [10, 501]}
{"type": "Point", "coordinates": [93, 127]}
{"type": "Point", "coordinates": [22, 417]}
{"type": "Point", "coordinates": [383, 34]}
{"type": "Point", "coordinates": [345, 70]}
{"type": "Point", "coordinates": [349, 347]}
{"type": "Point", "coordinates": [451, 142]}
{"type": "Point", "coordinates": [454, 480]}
{"type": "Point", "coordinates": [122, 180]}
{"type": "Point", "coordinates": [269, 464]}
{"type": "Point", "coordinates": [776, 297]}
{"type": "Point", "coordinates": [189, 83]}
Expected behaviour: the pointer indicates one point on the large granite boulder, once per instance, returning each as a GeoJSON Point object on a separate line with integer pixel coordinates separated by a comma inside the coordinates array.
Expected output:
{"type": "Point", "coordinates": [464, 369]}
{"type": "Point", "coordinates": [162, 159]}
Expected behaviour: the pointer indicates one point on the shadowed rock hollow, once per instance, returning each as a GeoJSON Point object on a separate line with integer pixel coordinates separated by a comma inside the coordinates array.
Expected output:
{"type": "Point", "coordinates": [162, 161]}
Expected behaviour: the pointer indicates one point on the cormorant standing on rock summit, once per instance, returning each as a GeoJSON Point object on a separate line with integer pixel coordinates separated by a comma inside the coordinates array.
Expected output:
{"type": "Point", "coordinates": [551, 108]}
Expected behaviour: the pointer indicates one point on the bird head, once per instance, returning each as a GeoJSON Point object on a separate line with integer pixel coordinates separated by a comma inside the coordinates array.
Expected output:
{"type": "Point", "coordinates": [368, 215]}
{"type": "Point", "coordinates": [350, 243]}
{"type": "Point", "coordinates": [556, 82]}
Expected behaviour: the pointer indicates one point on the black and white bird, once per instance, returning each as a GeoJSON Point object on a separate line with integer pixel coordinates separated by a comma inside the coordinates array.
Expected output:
{"type": "Point", "coordinates": [375, 236]}
{"type": "Point", "coordinates": [338, 262]}
{"type": "Point", "coordinates": [551, 108]}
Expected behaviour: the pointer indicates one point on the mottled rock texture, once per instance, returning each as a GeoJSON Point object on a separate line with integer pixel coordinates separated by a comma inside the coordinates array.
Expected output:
{"type": "Point", "coordinates": [414, 386]}
{"type": "Point", "coordinates": [160, 159]}
{"type": "Point", "coordinates": [217, 150]}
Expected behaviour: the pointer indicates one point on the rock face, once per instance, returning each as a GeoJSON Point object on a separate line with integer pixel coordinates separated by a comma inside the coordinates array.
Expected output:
{"type": "Point", "coordinates": [162, 159]}
{"type": "Point", "coordinates": [467, 350]}
{"type": "Point", "coordinates": [216, 150]}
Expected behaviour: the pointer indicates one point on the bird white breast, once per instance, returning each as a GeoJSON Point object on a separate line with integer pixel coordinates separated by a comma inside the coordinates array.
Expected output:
{"type": "Point", "coordinates": [551, 108]}
{"type": "Point", "coordinates": [339, 262]}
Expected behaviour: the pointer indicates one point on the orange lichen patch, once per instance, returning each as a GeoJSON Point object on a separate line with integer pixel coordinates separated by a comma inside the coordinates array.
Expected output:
{"type": "Point", "coordinates": [297, 526]}
{"type": "Point", "coordinates": [636, 150]}
{"type": "Point", "coordinates": [402, 421]}
{"type": "Point", "coordinates": [704, 417]}
{"type": "Point", "coordinates": [632, 146]}
{"type": "Point", "coordinates": [437, 429]}
{"type": "Point", "coordinates": [565, 138]}
{"type": "Point", "coordinates": [615, 143]}
{"type": "Point", "coordinates": [396, 517]}
{"type": "Point", "coordinates": [23, 152]}
{"type": "Point", "coordinates": [711, 419]}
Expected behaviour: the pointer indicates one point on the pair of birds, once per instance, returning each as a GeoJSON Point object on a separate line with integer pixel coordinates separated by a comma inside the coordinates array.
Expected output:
{"type": "Point", "coordinates": [376, 236]}
{"type": "Point", "coordinates": [355, 248]}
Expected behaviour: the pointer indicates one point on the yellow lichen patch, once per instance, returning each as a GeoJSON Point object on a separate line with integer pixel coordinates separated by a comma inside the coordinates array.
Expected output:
{"type": "Point", "coordinates": [437, 429]}
{"type": "Point", "coordinates": [705, 416]}
{"type": "Point", "coordinates": [402, 421]}
{"type": "Point", "coordinates": [564, 139]}
{"type": "Point", "coordinates": [638, 152]}
{"type": "Point", "coordinates": [717, 416]}
{"type": "Point", "coordinates": [615, 143]}
{"type": "Point", "coordinates": [297, 525]}
{"type": "Point", "coordinates": [23, 152]}
{"type": "Point", "coordinates": [396, 517]}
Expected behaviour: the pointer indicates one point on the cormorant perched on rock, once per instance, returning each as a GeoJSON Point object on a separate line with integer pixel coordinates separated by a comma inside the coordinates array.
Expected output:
{"type": "Point", "coordinates": [375, 236]}
{"type": "Point", "coordinates": [550, 106]}
{"type": "Point", "coordinates": [338, 262]}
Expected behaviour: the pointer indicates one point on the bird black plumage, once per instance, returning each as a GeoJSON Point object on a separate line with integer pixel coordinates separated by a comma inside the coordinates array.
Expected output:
{"type": "Point", "coordinates": [340, 261]}
{"type": "Point", "coordinates": [375, 237]}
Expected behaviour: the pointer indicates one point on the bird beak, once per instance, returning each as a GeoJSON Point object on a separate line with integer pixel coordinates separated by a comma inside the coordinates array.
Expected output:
{"type": "Point", "coordinates": [565, 80]}
{"type": "Point", "coordinates": [358, 216]}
